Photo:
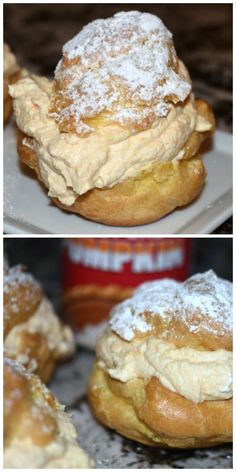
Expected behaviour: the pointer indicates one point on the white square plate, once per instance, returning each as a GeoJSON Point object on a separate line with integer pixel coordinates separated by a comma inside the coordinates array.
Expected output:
{"type": "Point", "coordinates": [28, 210]}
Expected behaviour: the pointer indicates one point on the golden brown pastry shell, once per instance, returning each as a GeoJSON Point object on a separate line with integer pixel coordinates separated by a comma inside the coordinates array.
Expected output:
{"type": "Point", "coordinates": [20, 419]}
{"type": "Point", "coordinates": [150, 196]}
{"type": "Point", "coordinates": [21, 300]}
{"type": "Point", "coordinates": [34, 419]}
{"type": "Point", "coordinates": [151, 414]}
{"type": "Point", "coordinates": [38, 350]}
{"type": "Point", "coordinates": [178, 332]}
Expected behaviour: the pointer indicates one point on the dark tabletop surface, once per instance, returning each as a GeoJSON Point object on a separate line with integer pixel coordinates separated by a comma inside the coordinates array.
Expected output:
{"type": "Point", "coordinates": [202, 36]}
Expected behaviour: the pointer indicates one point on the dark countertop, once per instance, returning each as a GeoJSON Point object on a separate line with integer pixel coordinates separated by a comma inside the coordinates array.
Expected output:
{"type": "Point", "coordinates": [202, 36]}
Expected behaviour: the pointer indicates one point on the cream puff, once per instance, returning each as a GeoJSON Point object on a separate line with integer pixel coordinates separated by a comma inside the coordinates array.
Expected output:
{"type": "Point", "coordinates": [163, 373]}
{"type": "Point", "coordinates": [33, 334]}
{"type": "Point", "coordinates": [11, 71]}
{"type": "Point", "coordinates": [38, 433]}
{"type": "Point", "coordinates": [116, 136]}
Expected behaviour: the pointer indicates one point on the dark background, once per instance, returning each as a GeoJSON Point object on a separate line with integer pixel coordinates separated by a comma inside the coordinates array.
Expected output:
{"type": "Point", "coordinates": [43, 258]}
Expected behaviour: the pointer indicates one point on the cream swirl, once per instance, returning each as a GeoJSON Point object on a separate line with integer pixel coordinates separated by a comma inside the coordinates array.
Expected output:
{"type": "Point", "coordinates": [70, 165]}
{"type": "Point", "coordinates": [194, 374]}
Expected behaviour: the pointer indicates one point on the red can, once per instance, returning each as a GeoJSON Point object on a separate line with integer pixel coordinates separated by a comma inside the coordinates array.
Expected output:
{"type": "Point", "coordinates": [100, 272]}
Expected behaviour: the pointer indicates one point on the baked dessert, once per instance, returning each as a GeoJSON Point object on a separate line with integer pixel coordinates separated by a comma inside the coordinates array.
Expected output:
{"type": "Point", "coordinates": [33, 334]}
{"type": "Point", "coordinates": [116, 136]}
{"type": "Point", "coordinates": [98, 273]}
{"type": "Point", "coordinates": [11, 74]}
{"type": "Point", "coordinates": [163, 374]}
{"type": "Point", "coordinates": [38, 433]}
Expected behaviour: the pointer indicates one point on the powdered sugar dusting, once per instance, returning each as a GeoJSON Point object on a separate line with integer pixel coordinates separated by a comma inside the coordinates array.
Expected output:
{"type": "Point", "coordinates": [35, 385]}
{"type": "Point", "coordinates": [13, 279]}
{"type": "Point", "coordinates": [125, 66]}
{"type": "Point", "coordinates": [206, 295]}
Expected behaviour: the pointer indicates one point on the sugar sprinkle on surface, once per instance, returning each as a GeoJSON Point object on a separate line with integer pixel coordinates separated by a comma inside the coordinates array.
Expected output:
{"type": "Point", "coordinates": [14, 278]}
{"type": "Point", "coordinates": [125, 66]}
{"type": "Point", "coordinates": [205, 294]}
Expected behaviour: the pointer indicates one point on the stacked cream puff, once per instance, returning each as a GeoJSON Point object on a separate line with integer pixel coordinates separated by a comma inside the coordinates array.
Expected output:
{"type": "Point", "coordinates": [38, 433]}
{"type": "Point", "coordinates": [33, 334]}
{"type": "Point", "coordinates": [163, 374]}
{"type": "Point", "coordinates": [116, 135]}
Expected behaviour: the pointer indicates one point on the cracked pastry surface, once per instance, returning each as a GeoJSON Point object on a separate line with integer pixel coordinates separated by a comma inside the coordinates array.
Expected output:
{"type": "Point", "coordinates": [33, 334]}
{"type": "Point", "coordinates": [38, 433]}
{"type": "Point", "coordinates": [124, 69]}
{"type": "Point", "coordinates": [165, 363]}
{"type": "Point", "coordinates": [109, 118]}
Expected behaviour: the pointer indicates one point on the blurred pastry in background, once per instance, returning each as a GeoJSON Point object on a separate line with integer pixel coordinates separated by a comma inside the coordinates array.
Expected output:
{"type": "Point", "coordinates": [116, 136]}
{"type": "Point", "coordinates": [33, 334]}
{"type": "Point", "coordinates": [163, 374]}
{"type": "Point", "coordinates": [38, 433]}
{"type": "Point", "coordinates": [11, 71]}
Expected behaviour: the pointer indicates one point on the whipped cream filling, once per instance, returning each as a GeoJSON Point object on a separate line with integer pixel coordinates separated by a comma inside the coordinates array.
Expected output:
{"type": "Point", "coordinates": [70, 165]}
{"type": "Point", "coordinates": [59, 337]}
{"type": "Point", "coordinates": [196, 375]}
{"type": "Point", "coordinates": [129, 56]}
{"type": "Point", "coordinates": [206, 294]}
{"type": "Point", "coordinates": [63, 453]}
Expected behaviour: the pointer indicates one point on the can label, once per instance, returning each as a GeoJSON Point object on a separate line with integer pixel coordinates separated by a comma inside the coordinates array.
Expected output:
{"type": "Point", "coordinates": [123, 261]}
